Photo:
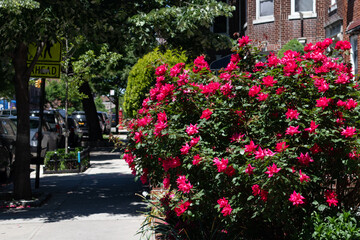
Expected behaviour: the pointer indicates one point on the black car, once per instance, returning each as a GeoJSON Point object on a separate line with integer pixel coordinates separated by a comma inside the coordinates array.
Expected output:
{"type": "Point", "coordinates": [7, 146]}
{"type": "Point", "coordinates": [113, 120]}
{"type": "Point", "coordinates": [75, 132]}
{"type": "Point", "coordinates": [80, 117]}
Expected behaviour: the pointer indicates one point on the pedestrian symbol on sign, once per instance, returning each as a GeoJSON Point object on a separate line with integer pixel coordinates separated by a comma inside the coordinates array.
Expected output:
{"type": "Point", "coordinates": [48, 64]}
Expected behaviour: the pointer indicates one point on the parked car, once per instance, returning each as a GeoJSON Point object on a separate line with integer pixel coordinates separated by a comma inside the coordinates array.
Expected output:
{"type": "Point", "coordinates": [80, 117]}
{"type": "Point", "coordinates": [8, 112]}
{"type": "Point", "coordinates": [106, 122]}
{"type": "Point", "coordinates": [113, 120]}
{"type": "Point", "coordinates": [49, 141]}
{"type": "Point", "coordinates": [102, 125]}
{"type": "Point", "coordinates": [56, 123]}
{"type": "Point", "coordinates": [75, 132]}
{"type": "Point", "coordinates": [7, 146]}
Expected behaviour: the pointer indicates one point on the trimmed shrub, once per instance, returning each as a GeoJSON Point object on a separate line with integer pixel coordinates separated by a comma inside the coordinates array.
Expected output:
{"type": "Point", "coordinates": [342, 226]}
{"type": "Point", "coordinates": [294, 45]}
{"type": "Point", "coordinates": [252, 152]}
{"type": "Point", "coordinates": [141, 77]}
{"type": "Point", "coordinates": [64, 161]}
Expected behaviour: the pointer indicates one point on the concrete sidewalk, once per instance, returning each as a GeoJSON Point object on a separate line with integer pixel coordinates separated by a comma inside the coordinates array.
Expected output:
{"type": "Point", "coordinates": [97, 204]}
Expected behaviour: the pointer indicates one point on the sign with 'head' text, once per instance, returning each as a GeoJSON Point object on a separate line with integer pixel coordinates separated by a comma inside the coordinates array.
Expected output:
{"type": "Point", "coordinates": [48, 64]}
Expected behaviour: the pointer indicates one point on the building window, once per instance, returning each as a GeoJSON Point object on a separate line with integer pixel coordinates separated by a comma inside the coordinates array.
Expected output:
{"type": "Point", "coordinates": [333, 6]}
{"type": "Point", "coordinates": [303, 8]}
{"type": "Point", "coordinates": [304, 5]}
{"type": "Point", "coordinates": [334, 30]}
{"type": "Point", "coordinates": [354, 53]}
{"type": "Point", "coordinates": [266, 8]}
{"type": "Point", "coordinates": [264, 11]}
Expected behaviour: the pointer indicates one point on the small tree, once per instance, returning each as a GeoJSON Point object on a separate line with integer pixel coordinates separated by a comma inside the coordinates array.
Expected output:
{"type": "Point", "coordinates": [142, 78]}
{"type": "Point", "coordinates": [294, 45]}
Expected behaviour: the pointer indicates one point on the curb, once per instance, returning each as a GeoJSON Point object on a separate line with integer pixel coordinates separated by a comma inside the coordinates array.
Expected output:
{"type": "Point", "coordinates": [36, 202]}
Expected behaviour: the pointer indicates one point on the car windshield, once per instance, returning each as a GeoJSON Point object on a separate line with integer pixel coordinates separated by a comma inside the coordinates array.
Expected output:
{"type": "Point", "coordinates": [101, 116]}
{"type": "Point", "coordinates": [80, 117]}
{"type": "Point", "coordinates": [9, 112]}
{"type": "Point", "coordinates": [34, 124]}
{"type": "Point", "coordinates": [49, 118]}
{"type": "Point", "coordinates": [71, 122]}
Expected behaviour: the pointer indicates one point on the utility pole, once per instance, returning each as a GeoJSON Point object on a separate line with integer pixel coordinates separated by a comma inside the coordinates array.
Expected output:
{"type": "Point", "coordinates": [66, 134]}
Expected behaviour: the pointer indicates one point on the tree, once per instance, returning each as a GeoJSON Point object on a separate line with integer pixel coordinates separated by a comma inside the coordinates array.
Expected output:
{"type": "Point", "coordinates": [55, 96]}
{"type": "Point", "coordinates": [182, 23]}
{"type": "Point", "coordinates": [24, 22]}
{"type": "Point", "coordinates": [142, 78]}
{"type": "Point", "coordinates": [294, 45]}
{"type": "Point", "coordinates": [6, 72]}
{"type": "Point", "coordinates": [100, 66]}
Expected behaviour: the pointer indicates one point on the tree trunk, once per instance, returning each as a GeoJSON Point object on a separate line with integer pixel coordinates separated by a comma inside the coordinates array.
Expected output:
{"type": "Point", "coordinates": [21, 177]}
{"type": "Point", "coordinates": [91, 113]}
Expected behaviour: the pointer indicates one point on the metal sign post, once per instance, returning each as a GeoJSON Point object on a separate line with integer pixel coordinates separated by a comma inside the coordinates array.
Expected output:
{"type": "Point", "coordinates": [47, 66]}
{"type": "Point", "coordinates": [40, 135]}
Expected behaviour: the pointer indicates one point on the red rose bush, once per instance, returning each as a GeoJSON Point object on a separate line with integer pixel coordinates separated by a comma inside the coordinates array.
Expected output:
{"type": "Point", "coordinates": [252, 151]}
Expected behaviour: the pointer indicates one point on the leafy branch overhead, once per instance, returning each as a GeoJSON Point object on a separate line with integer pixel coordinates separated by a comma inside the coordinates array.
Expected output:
{"type": "Point", "coordinates": [101, 68]}
{"type": "Point", "coordinates": [180, 22]}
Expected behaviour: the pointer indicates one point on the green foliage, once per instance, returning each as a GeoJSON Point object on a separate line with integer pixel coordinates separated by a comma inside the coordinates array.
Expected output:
{"type": "Point", "coordinates": [294, 45]}
{"type": "Point", "coordinates": [99, 105]}
{"type": "Point", "coordinates": [96, 64]}
{"type": "Point", "coordinates": [182, 23]}
{"type": "Point", "coordinates": [56, 95]}
{"type": "Point", "coordinates": [340, 227]}
{"type": "Point", "coordinates": [6, 79]}
{"type": "Point", "coordinates": [142, 78]}
{"type": "Point", "coordinates": [64, 160]}
{"type": "Point", "coordinates": [15, 6]}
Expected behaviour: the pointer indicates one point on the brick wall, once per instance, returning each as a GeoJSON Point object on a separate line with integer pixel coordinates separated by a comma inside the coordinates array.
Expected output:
{"type": "Point", "coordinates": [278, 32]}
{"type": "Point", "coordinates": [283, 29]}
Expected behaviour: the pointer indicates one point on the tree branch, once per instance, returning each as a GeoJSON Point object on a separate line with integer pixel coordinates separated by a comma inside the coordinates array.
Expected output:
{"type": "Point", "coordinates": [39, 50]}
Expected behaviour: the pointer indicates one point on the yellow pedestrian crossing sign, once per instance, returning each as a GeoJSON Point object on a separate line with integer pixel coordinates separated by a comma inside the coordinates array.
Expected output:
{"type": "Point", "coordinates": [48, 64]}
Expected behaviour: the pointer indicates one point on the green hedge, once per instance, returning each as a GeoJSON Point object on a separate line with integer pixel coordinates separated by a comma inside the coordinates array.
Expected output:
{"type": "Point", "coordinates": [294, 45]}
{"type": "Point", "coordinates": [63, 159]}
{"type": "Point", "coordinates": [142, 78]}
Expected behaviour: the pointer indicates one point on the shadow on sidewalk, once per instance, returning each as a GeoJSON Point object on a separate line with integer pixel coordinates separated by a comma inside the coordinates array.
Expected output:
{"type": "Point", "coordinates": [93, 194]}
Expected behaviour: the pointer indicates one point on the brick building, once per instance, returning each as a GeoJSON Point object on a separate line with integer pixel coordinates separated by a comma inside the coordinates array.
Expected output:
{"type": "Point", "coordinates": [350, 11]}
{"type": "Point", "coordinates": [275, 22]}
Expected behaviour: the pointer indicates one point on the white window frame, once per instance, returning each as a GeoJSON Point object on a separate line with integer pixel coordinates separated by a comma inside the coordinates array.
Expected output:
{"type": "Point", "coordinates": [263, 19]}
{"type": "Point", "coordinates": [333, 6]}
{"type": "Point", "coordinates": [307, 14]}
{"type": "Point", "coordinates": [354, 46]}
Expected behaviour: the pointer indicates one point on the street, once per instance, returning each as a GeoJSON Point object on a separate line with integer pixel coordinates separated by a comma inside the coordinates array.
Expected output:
{"type": "Point", "coordinates": [97, 204]}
